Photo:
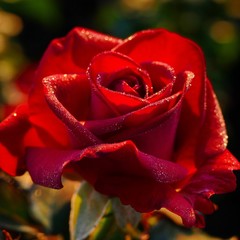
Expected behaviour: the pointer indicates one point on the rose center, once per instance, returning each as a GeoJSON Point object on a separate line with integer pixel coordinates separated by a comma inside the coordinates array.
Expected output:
{"type": "Point", "coordinates": [130, 84]}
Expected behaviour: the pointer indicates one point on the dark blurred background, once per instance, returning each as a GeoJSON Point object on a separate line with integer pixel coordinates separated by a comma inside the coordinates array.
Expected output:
{"type": "Point", "coordinates": [27, 27]}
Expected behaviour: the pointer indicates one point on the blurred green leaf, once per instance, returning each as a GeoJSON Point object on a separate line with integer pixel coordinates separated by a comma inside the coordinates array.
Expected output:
{"type": "Point", "coordinates": [45, 12]}
{"type": "Point", "coordinates": [15, 214]}
{"type": "Point", "coordinates": [13, 202]}
{"type": "Point", "coordinates": [107, 228]}
{"type": "Point", "coordinates": [87, 209]}
{"type": "Point", "coordinates": [166, 230]}
{"type": "Point", "coordinates": [49, 206]}
{"type": "Point", "coordinates": [125, 214]}
{"type": "Point", "coordinates": [10, 225]}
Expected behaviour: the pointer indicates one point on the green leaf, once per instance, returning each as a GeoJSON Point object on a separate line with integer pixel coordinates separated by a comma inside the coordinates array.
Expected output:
{"type": "Point", "coordinates": [125, 214]}
{"type": "Point", "coordinates": [13, 200]}
{"type": "Point", "coordinates": [45, 12]}
{"type": "Point", "coordinates": [166, 229]}
{"type": "Point", "coordinates": [10, 225]}
{"type": "Point", "coordinates": [107, 228]}
{"type": "Point", "coordinates": [48, 204]}
{"type": "Point", "coordinates": [87, 209]}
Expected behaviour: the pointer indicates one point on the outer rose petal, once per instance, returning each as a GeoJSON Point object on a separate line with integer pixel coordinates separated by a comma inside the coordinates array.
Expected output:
{"type": "Point", "coordinates": [213, 137]}
{"type": "Point", "coordinates": [70, 54]}
{"type": "Point", "coordinates": [12, 131]}
{"type": "Point", "coordinates": [214, 177]}
{"type": "Point", "coordinates": [148, 196]}
{"type": "Point", "coordinates": [25, 79]}
{"type": "Point", "coordinates": [105, 160]}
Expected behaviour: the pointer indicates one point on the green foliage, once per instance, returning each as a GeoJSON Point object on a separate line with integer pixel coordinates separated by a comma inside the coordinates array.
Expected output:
{"type": "Point", "coordinates": [125, 214]}
{"type": "Point", "coordinates": [13, 202]}
{"type": "Point", "coordinates": [87, 209]}
{"type": "Point", "coordinates": [45, 12]}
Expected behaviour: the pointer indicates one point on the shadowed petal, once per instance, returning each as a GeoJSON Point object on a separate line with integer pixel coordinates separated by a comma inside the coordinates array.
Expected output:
{"type": "Point", "coordinates": [215, 176]}
{"type": "Point", "coordinates": [93, 163]}
{"type": "Point", "coordinates": [12, 132]}
{"type": "Point", "coordinates": [145, 196]}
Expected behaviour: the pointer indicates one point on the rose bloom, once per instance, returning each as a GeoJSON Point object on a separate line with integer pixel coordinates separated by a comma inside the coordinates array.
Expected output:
{"type": "Point", "coordinates": [136, 118]}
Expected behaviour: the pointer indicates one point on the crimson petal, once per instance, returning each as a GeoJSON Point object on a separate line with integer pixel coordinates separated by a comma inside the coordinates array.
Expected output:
{"type": "Point", "coordinates": [58, 89]}
{"type": "Point", "coordinates": [93, 163]}
{"type": "Point", "coordinates": [146, 196]}
{"type": "Point", "coordinates": [213, 138]}
{"type": "Point", "coordinates": [160, 73]}
{"type": "Point", "coordinates": [215, 176]}
{"type": "Point", "coordinates": [12, 132]}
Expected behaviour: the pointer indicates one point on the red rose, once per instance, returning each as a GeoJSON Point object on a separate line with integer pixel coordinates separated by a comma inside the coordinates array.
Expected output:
{"type": "Point", "coordinates": [136, 118]}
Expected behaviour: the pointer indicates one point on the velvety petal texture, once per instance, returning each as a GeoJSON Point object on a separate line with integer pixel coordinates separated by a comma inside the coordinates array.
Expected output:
{"type": "Point", "coordinates": [12, 129]}
{"type": "Point", "coordinates": [136, 118]}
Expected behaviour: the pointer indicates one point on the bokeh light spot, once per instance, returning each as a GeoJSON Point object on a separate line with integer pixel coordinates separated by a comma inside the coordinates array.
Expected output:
{"type": "Point", "coordinates": [7, 71]}
{"type": "Point", "coordinates": [139, 5]}
{"type": "Point", "coordinates": [10, 24]}
{"type": "Point", "coordinates": [3, 43]}
{"type": "Point", "coordinates": [223, 32]}
{"type": "Point", "coordinates": [233, 8]}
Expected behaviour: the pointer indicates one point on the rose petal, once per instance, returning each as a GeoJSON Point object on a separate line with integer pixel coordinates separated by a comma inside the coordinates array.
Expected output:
{"type": "Point", "coordinates": [211, 134]}
{"type": "Point", "coordinates": [160, 73]}
{"type": "Point", "coordinates": [77, 49]}
{"type": "Point", "coordinates": [120, 128]}
{"type": "Point", "coordinates": [142, 120]}
{"type": "Point", "coordinates": [70, 54]}
{"type": "Point", "coordinates": [72, 91]}
{"type": "Point", "coordinates": [12, 132]}
{"type": "Point", "coordinates": [213, 138]}
{"type": "Point", "coordinates": [146, 196]}
{"type": "Point", "coordinates": [159, 141]}
{"type": "Point", "coordinates": [98, 161]}
{"type": "Point", "coordinates": [163, 93]}
{"type": "Point", "coordinates": [214, 177]}
{"type": "Point", "coordinates": [25, 79]}
{"type": "Point", "coordinates": [59, 90]}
